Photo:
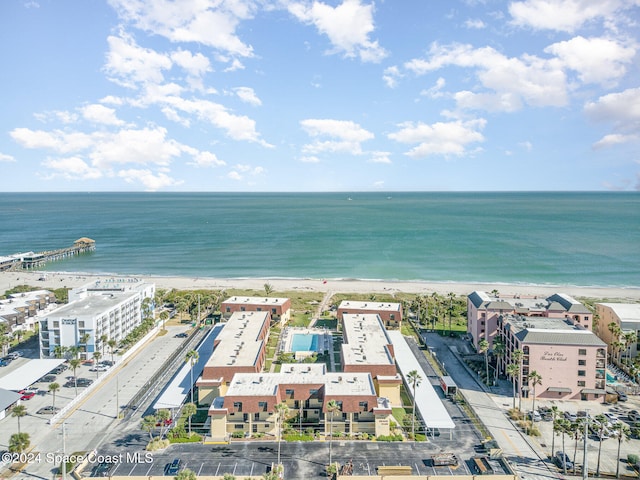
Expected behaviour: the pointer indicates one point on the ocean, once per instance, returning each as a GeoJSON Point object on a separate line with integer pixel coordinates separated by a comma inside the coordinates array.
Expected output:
{"type": "Point", "coordinates": [583, 239]}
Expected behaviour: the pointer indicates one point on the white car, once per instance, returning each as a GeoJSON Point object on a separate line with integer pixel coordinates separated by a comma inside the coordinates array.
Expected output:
{"type": "Point", "coordinates": [612, 418]}
{"type": "Point", "coordinates": [99, 368]}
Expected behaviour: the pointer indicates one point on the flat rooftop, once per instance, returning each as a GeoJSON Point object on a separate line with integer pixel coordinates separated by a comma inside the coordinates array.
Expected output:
{"type": "Point", "coordinates": [551, 331]}
{"type": "Point", "coordinates": [628, 312]}
{"type": "Point", "coordinates": [366, 340]}
{"type": "Point", "coordinates": [93, 305]}
{"type": "Point", "coordinates": [335, 383]}
{"type": "Point", "coordinates": [266, 301]}
{"type": "Point", "coordinates": [239, 340]}
{"type": "Point", "coordinates": [373, 306]}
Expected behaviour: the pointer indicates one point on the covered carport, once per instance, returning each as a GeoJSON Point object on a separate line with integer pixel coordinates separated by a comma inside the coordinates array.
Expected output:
{"type": "Point", "coordinates": [7, 400]}
{"type": "Point", "coordinates": [427, 401]}
{"type": "Point", "coordinates": [28, 374]}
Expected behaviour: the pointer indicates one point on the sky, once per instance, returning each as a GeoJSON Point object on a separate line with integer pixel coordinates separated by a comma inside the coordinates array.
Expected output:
{"type": "Point", "coordinates": [331, 95]}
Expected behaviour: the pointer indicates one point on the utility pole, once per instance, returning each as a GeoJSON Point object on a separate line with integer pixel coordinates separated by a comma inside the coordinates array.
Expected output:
{"type": "Point", "coordinates": [585, 468]}
{"type": "Point", "coordinates": [117, 398]}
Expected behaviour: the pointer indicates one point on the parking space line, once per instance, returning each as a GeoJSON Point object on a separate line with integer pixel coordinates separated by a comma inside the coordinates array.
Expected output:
{"type": "Point", "coordinates": [234, 468]}
{"type": "Point", "coordinates": [132, 469]}
{"type": "Point", "coordinates": [150, 467]}
{"type": "Point", "coordinates": [252, 465]}
{"type": "Point", "coordinates": [200, 469]}
{"type": "Point", "coordinates": [217, 470]}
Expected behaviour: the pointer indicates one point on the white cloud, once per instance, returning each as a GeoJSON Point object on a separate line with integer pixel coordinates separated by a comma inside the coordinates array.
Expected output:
{"type": "Point", "coordinates": [380, 157]}
{"type": "Point", "coordinates": [56, 140]}
{"type": "Point", "coordinates": [207, 159]}
{"type": "Point", "coordinates": [129, 64]}
{"type": "Point", "coordinates": [6, 158]}
{"type": "Point", "coordinates": [233, 175]}
{"type": "Point", "coordinates": [346, 136]}
{"type": "Point", "coordinates": [97, 113]}
{"type": "Point", "coordinates": [348, 27]}
{"type": "Point", "coordinates": [208, 22]}
{"type": "Point", "coordinates": [623, 111]}
{"type": "Point", "coordinates": [597, 60]}
{"type": "Point", "coordinates": [196, 65]}
{"type": "Point", "coordinates": [441, 138]}
{"type": "Point", "coordinates": [391, 76]}
{"type": "Point", "coordinates": [436, 90]}
{"type": "Point", "coordinates": [151, 181]}
{"type": "Point", "coordinates": [72, 168]}
{"type": "Point", "coordinates": [309, 159]}
{"type": "Point", "coordinates": [62, 116]}
{"type": "Point", "coordinates": [247, 95]}
{"type": "Point", "coordinates": [564, 15]}
{"type": "Point", "coordinates": [511, 81]}
{"type": "Point", "coordinates": [475, 23]}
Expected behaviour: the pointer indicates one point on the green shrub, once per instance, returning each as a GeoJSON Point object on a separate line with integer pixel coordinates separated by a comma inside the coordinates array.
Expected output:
{"type": "Point", "coordinates": [297, 437]}
{"type": "Point", "coordinates": [389, 438]}
{"type": "Point", "coordinates": [632, 459]}
{"type": "Point", "coordinates": [194, 438]}
{"type": "Point", "coordinates": [237, 435]}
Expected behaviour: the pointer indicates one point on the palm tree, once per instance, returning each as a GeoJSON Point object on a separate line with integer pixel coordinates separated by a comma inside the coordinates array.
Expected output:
{"type": "Point", "coordinates": [19, 411]}
{"type": "Point", "coordinates": [84, 338]}
{"type": "Point", "coordinates": [332, 408]}
{"type": "Point", "coordinates": [112, 346]}
{"type": "Point", "coordinates": [629, 339]}
{"type": "Point", "coordinates": [164, 316]}
{"type": "Point", "coordinates": [59, 351]}
{"type": "Point", "coordinates": [452, 297]}
{"type": "Point", "coordinates": [512, 371]}
{"type": "Point", "coordinates": [192, 357]}
{"type": "Point", "coordinates": [577, 430]}
{"type": "Point", "coordinates": [53, 388]}
{"type": "Point", "coordinates": [483, 347]}
{"type": "Point", "coordinates": [517, 357]}
{"type": "Point", "coordinates": [74, 363]}
{"type": "Point", "coordinates": [622, 432]}
{"type": "Point", "coordinates": [96, 357]}
{"type": "Point", "coordinates": [73, 350]}
{"type": "Point", "coordinates": [148, 425]}
{"type": "Point", "coordinates": [535, 379]}
{"type": "Point", "coordinates": [413, 378]}
{"type": "Point", "coordinates": [281, 412]}
{"type": "Point", "coordinates": [268, 289]}
{"type": "Point", "coordinates": [19, 442]}
{"type": "Point", "coordinates": [601, 425]}
{"type": "Point", "coordinates": [162, 416]}
{"type": "Point", "coordinates": [189, 410]}
{"type": "Point", "coordinates": [562, 426]}
{"type": "Point", "coordinates": [499, 349]}
{"type": "Point", "coordinates": [103, 342]}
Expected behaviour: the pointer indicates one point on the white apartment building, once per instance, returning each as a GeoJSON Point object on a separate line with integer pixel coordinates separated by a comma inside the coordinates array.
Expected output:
{"type": "Point", "coordinates": [110, 308]}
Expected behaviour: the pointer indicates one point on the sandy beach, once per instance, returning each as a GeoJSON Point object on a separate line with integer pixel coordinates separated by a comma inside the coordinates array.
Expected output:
{"type": "Point", "coordinates": [65, 279]}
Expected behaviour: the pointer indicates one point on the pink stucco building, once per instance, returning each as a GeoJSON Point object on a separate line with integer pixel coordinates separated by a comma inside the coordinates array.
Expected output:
{"type": "Point", "coordinates": [484, 309]}
{"type": "Point", "coordinates": [570, 359]}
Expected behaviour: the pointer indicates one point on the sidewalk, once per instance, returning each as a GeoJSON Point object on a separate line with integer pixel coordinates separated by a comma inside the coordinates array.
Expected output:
{"type": "Point", "coordinates": [522, 453]}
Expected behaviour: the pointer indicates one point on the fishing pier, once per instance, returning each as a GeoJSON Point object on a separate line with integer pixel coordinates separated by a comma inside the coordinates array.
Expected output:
{"type": "Point", "coordinates": [25, 261]}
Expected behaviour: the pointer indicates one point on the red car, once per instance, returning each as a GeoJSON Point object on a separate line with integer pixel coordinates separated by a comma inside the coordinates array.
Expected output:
{"type": "Point", "coordinates": [167, 422]}
{"type": "Point", "coordinates": [27, 395]}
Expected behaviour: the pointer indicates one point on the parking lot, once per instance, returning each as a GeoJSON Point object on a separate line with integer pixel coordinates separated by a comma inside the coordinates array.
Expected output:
{"type": "Point", "coordinates": [301, 460]}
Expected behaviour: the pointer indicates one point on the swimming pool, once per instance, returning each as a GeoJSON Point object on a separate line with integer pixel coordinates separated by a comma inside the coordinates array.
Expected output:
{"type": "Point", "coordinates": [610, 378]}
{"type": "Point", "coordinates": [304, 342]}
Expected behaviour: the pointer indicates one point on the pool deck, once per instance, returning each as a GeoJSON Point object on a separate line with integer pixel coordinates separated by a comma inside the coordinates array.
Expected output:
{"type": "Point", "coordinates": [325, 340]}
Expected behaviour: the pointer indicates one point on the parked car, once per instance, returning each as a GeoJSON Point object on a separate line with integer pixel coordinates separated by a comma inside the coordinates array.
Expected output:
{"type": "Point", "coordinates": [102, 469]}
{"type": "Point", "coordinates": [634, 415]}
{"type": "Point", "coordinates": [3, 362]}
{"type": "Point", "coordinates": [7, 359]}
{"type": "Point", "coordinates": [622, 397]}
{"type": "Point", "coordinates": [99, 368]}
{"type": "Point", "coordinates": [48, 378]}
{"type": "Point", "coordinates": [84, 382]}
{"type": "Point", "coordinates": [172, 468]}
{"type": "Point", "coordinates": [59, 369]}
{"type": "Point", "coordinates": [562, 459]}
{"type": "Point", "coordinates": [167, 422]}
{"type": "Point", "coordinates": [14, 355]}
{"type": "Point", "coordinates": [48, 410]}
{"type": "Point", "coordinates": [612, 418]}
{"type": "Point", "coordinates": [181, 335]}
{"type": "Point", "coordinates": [108, 363]}
{"type": "Point", "coordinates": [535, 416]}
{"type": "Point", "coordinates": [27, 395]}
{"type": "Point", "coordinates": [572, 417]}
{"type": "Point", "coordinates": [30, 389]}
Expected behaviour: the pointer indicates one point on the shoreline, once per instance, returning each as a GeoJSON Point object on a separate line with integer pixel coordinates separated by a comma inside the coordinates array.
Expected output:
{"type": "Point", "coordinates": [54, 280]}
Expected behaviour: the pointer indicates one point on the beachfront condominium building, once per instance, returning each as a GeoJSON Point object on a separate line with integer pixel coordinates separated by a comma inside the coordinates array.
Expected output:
{"type": "Point", "coordinates": [366, 348]}
{"type": "Point", "coordinates": [19, 311]}
{"type": "Point", "coordinates": [239, 348]}
{"type": "Point", "coordinates": [619, 326]}
{"type": "Point", "coordinates": [484, 309]}
{"type": "Point", "coordinates": [390, 313]}
{"type": "Point", "coordinates": [102, 309]}
{"type": "Point", "coordinates": [250, 404]}
{"type": "Point", "coordinates": [570, 359]}
{"type": "Point", "coordinates": [278, 308]}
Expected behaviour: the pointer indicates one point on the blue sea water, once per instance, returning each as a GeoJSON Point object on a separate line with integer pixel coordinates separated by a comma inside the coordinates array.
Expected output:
{"type": "Point", "coordinates": [589, 239]}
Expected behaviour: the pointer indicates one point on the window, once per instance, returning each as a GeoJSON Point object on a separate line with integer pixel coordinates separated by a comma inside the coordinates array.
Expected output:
{"type": "Point", "coordinates": [313, 391]}
{"type": "Point", "coordinates": [289, 392]}
{"type": "Point", "coordinates": [392, 317]}
{"type": "Point", "coordinates": [262, 406]}
{"type": "Point", "coordinates": [364, 406]}
{"type": "Point", "coordinates": [582, 363]}
{"type": "Point", "coordinates": [582, 373]}
{"type": "Point", "coordinates": [258, 309]}
{"type": "Point", "coordinates": [273, 311]}
{"type": "Point", "coordinates": [582, 383]}
{"type": "Point", "coordinates": [238, 426]}
{"type": "Point", "coordinates": [56, 324]}
{"type": "Point", "coordinates": [243, 309]}
{"type": "Point", "coordinates": [228, 310]}
{"type": "Point", "coordinates": [254, 428]}
{"type": "Point", "coordinates": [237, 406]}
{"type": "Point", "coordinates": [582, 351]}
